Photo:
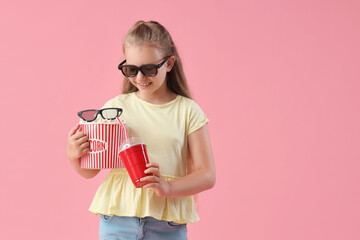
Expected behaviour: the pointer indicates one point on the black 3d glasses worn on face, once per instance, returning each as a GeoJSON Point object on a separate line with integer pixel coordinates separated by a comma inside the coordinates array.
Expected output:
{"type": "Point", "coordinates": [149, 70]}
{"type": "Point", "coordinates": [106, 113]}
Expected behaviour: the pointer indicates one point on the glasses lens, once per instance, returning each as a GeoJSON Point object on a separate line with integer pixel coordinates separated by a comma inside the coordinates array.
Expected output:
{"type": "Point", "coordinates": [129, 71]}
{"type": "Point", "coordinates": [110, 114]}
{"type": "Point", "coordinates": [149, 70]}
{"type": "Point", "coordinates": [89, 115]}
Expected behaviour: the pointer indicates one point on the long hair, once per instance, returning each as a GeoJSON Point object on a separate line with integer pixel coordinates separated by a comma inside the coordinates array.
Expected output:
{"type": "Point", "coordinates": [154, 34]}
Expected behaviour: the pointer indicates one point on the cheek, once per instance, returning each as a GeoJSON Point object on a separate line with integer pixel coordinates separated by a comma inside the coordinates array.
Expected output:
{"type": "Point", "coordinates": [162, 75]}
{"type": "Point", "coordinates": [132, 80]}
{"type": "Point", "coordinates": [159, 78]}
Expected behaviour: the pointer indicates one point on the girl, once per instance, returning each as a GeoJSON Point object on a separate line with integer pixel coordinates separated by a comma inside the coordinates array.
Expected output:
{"type": "Point", "coordinates": [157, 109]}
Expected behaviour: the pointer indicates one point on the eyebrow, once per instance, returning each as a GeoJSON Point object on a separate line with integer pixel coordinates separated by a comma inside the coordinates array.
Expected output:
{"type": "Point", "coordinates": [141, 64]}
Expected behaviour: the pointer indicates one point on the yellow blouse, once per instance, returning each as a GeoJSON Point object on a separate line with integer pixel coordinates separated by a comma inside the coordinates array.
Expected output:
{"type": "Point", "coordinates": [164, 129]}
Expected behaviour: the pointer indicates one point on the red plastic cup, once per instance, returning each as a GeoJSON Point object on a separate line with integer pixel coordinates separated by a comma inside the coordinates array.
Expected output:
{"type": "Point", "coordinates": [135, 159]}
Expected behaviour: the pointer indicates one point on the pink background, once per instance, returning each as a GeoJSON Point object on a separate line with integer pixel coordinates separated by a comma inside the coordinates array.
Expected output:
{"type": "Point", "coordinates": [279, 81]}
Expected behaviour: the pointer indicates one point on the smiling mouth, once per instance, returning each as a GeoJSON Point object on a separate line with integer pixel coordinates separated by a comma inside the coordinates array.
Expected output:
{"type": "Point", "coordinates": [144, 84]}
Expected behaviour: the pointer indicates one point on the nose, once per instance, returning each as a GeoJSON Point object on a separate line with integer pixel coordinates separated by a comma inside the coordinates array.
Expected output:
{"type": "Point", "coordinates": [140, 76]}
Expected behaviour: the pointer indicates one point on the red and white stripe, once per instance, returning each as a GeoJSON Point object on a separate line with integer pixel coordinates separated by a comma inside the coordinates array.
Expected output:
{"type": "Point", "coordinates": [112, 134]}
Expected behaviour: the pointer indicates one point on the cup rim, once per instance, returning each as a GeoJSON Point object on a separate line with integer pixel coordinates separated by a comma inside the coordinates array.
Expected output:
{"type": "Point", "coordinates": [131, 146]}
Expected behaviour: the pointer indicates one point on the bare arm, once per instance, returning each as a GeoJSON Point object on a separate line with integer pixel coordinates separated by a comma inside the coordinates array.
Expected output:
{"type": "Point", "coordinates": [77, 146]}
{"type": "Point", "coordinates": [203, 176]}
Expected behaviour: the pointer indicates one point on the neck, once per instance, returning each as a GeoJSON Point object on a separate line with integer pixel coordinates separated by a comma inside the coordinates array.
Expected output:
{"type": "Point", "coordinates": [157, 98]}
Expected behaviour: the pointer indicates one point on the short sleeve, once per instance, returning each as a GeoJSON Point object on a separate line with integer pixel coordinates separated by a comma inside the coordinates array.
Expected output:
{"type": "Point", "coordinates": [196, 118]}
{"type": "Point", "coordinates": [111, 103]}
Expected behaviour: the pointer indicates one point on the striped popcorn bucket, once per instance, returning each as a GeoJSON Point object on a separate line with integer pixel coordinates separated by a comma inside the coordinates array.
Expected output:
{"type": "Point", "coordinates": [104, 141]}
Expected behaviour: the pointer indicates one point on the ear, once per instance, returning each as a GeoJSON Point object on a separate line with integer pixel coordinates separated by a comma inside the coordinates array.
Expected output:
{"type": "Point", "coordinates": [170, 63]}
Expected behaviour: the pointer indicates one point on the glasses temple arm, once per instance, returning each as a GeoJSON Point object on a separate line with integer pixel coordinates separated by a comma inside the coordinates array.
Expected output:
{"type": "Point", "coordinates": [122, 63]}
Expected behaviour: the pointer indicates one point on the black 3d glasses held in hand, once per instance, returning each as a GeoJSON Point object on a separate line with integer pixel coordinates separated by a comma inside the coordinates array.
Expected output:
{"type": "Point", "coordinates": [149, 70]}
{"type": "Point", "coordinates": [106, 113]}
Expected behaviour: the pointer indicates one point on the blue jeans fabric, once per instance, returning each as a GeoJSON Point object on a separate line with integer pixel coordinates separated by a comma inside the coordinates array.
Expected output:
{"type": "Point", "coordinates": [134, 228]}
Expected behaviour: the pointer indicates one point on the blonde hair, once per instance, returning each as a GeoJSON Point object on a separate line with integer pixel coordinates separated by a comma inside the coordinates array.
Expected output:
{"type": "Point", "coordinates": [154, 34]}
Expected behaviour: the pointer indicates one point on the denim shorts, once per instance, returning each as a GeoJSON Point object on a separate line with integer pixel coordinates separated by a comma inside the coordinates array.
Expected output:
{"type": "Point", "coordinates": [134, 228]}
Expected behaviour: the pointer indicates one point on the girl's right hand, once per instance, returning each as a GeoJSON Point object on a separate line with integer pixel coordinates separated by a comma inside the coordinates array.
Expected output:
{"type": "Point", "coordinates": [78, 143]}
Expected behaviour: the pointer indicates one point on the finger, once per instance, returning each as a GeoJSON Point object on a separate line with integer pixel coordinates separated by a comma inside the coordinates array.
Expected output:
{"type": "Point", "coordinates": [153, 170]}
{"type": "Point", "coordinates": [82, 139]}
{"type": "Point", "coordinates": [78, 135]}
{"type": "Point", "coordinates": [151, 185]}
{"type": "Point", "coordinates": [85, 150]}
{"type": "Point", "coordinates": [74, 129]}
{"type": "Point", "coordinates": [150, 179]}
{"type": "Point", "coordinates": [152, 165]}
{"type": "Point", "coordinates": [84, 145]}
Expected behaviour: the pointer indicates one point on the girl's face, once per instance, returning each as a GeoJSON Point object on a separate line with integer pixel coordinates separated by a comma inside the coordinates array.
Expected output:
{"type": "Point", "coordinates": [149, 87]}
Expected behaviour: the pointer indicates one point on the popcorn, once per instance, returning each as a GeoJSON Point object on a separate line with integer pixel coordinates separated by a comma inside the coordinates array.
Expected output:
{"type": "Point", "coordinates": [105, 137]}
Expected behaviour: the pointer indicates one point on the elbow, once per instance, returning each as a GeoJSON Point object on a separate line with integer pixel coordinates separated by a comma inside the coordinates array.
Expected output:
{"type": "Point", "coordinates": [88, 176]}
{"type": "Point", "coordinates": [211, 179]}
{"type": "Point", "coordinates": [89, 173]}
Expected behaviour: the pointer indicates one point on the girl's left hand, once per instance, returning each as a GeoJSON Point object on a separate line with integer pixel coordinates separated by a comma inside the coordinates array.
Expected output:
{"type": "Point", "coordinates": [156, 182]}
